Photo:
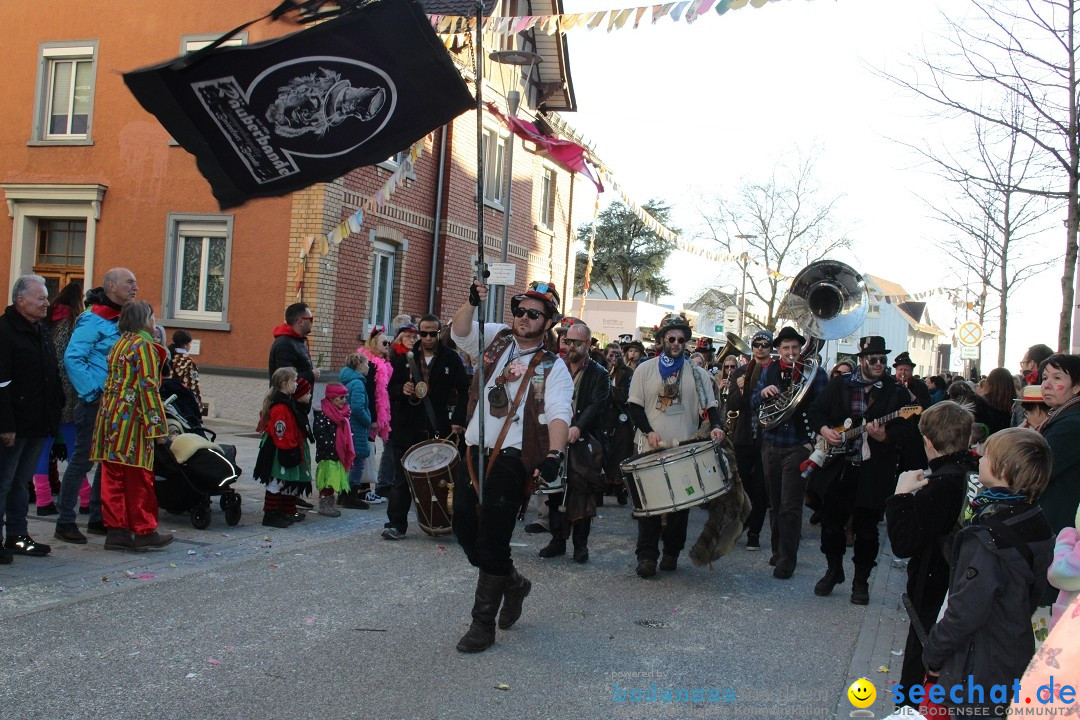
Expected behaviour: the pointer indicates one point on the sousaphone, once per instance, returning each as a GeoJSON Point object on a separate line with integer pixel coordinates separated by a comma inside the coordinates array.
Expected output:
{"type": "Point", "coordinates": [828, 300]}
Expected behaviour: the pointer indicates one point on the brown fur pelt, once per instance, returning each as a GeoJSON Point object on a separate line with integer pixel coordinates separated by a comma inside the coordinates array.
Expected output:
{"type": "Point", "coordinates": [727, 516]}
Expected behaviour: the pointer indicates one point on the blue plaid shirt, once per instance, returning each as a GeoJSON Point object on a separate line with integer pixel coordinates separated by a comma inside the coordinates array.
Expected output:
{"type": "Point", "coordinates": [797, 430]}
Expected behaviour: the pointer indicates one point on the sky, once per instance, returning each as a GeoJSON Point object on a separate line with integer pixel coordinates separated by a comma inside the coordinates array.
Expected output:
{"type": "Point", "coordinates": [686, 112]}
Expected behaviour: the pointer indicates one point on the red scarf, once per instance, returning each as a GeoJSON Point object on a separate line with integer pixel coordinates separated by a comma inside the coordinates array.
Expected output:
{"type": "Point", "coordinates": [343, 439]}
{"type": "Point", "coordinates": [794, 367]}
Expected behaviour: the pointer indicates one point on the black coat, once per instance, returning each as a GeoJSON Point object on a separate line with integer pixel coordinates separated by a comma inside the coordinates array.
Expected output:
{"type": "Point", "coordinates": [289, 351]}
{"type": "Point", "coordinates": [409, 423]}
{"type": "Point", "coordinates": [30, 405]}
{"type": "Point", "coordinates": [919, 525]}
{"type": "Point", "coordinates": [877, 476]}
{"type": "Point", "coordinates": [591, 397]}
{"type": "Point", "coordinates": [739, 400]}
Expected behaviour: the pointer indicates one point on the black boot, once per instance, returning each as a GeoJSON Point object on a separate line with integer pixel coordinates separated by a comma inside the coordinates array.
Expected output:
{"type": "Point", "coordinates": [832, 577]}
{"type": "Point", "coordinates": [514, 594]}
{"type": "Point", "coordinates": [580, 534]}
{"type": "Point", "coordinates": [860, 586]}
{"type": "Point", "coordinates": [489, 593]}
{"type": "Point", "coordinates": [557, 523]}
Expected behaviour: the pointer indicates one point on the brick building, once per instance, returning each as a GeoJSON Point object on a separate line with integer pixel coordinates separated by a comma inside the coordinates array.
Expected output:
{"type": "Point", "coordinates": [92, 181]}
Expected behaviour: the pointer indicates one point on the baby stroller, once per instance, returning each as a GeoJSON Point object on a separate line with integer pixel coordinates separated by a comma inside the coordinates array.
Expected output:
{"type": "Point", "coordinates": [190, 471]}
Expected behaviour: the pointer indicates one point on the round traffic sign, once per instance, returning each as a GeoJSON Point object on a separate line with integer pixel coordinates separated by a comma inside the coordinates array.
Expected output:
{"type": "Point", "coordinates": [970, 333]}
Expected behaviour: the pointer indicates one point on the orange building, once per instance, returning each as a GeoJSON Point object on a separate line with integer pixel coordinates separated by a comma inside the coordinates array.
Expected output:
{"type": "Point", "coordinates": [92, 181]}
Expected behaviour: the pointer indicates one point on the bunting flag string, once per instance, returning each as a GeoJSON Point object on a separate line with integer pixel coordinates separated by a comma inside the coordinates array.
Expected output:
{"type": "Point", "coordinates": [351, 225]}
{"type": "Point", "coordinates": [613, 19]}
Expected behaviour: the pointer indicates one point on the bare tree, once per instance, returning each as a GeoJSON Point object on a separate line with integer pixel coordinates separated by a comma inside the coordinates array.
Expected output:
{"type": "Point", "coordinates": [1026, 49]}
{"type": "Point", "coordinates": [993, 217]}
{"type": "Point", "coordinates": [785, 223]}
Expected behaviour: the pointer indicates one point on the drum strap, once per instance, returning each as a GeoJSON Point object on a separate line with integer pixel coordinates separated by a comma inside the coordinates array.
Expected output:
{"type": "Point", "coordinates": [420, 376]}
{"type": "Point", "coordinates": [510, 415]}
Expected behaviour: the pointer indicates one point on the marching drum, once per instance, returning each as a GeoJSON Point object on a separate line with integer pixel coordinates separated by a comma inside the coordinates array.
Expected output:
{"type": "Point", "coordinates": [664, 481]}
{"type": "Point", "coordinates": [429, 468]}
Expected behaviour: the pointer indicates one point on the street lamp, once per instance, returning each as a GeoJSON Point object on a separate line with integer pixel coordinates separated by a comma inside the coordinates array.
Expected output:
{"type": "Point", "coordinates": [515, 59]}
{"type": "Point", "coordinates": [744, 259]}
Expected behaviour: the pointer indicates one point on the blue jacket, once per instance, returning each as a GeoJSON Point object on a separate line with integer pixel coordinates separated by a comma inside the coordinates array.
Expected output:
{"type": "Point", "coordinates": [86, 357]}
{"type": "Point", "coordinates": [360, 417]}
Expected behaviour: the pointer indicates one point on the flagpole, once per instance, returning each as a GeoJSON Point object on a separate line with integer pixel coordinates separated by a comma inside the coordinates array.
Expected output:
{"type": "Point", "coordinates": [481, 265]}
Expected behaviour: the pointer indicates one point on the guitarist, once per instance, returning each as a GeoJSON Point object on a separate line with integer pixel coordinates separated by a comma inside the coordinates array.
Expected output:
{"type": "Point", "coordinates": [866, 474]}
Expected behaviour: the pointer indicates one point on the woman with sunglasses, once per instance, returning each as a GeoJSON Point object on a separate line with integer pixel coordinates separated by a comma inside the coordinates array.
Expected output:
{"type": "Point", "coordinates": [376, 349]}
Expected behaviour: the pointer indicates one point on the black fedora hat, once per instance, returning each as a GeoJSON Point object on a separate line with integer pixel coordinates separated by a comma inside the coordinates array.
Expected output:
{"type": "Point", "coordinates": [787, 333]}
{"type": "Point", "coordinates": [872, 345]}
{"type": "Point", "coordinates": [903, 359]}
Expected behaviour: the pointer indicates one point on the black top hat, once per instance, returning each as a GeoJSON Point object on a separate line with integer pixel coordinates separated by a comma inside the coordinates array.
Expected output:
{"type": "Point", "coordinates": [787, 333]}
{"type": "Point", "coordinates": [903, 359]}
{"type": "Point", "coordinates": [872, 345]}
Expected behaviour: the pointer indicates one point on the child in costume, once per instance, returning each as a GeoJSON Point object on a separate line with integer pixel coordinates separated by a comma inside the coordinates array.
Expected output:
{"type": "Point", "coordinates": [923, 513]}
{"type": "Point", "coordinates": [354, 377]}
{"type": "Point", "coordinates": [284, 462]}
{"type": "Point", "coordinates": [334, 451]}
{"type": "Point", "coordinates": [1064, 573]}
{"type": "Point", "coordinates": [998, 568]}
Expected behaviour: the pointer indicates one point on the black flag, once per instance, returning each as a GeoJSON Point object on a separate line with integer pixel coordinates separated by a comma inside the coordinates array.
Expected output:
{"type": "Point", "coordinates": [271, 118]}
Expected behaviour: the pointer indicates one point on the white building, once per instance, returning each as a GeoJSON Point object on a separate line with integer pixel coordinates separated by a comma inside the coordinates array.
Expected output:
{"type": "Point", "coordinates": [906, 326]}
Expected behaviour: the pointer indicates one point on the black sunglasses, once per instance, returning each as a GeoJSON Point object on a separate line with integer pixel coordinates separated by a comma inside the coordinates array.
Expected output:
{"type": "Point", "coordinates": [533, 314]}
{"type": "Point", "coordinates": [570, 342]}
{"type": "Point", "coordinates": [676, 340]}
{"type": "Point", "coordinates": [761, 345]}
{"type": "Point", "coordinates": [876, 359]}
{"type": "Point", "coordinates": [428, 333]}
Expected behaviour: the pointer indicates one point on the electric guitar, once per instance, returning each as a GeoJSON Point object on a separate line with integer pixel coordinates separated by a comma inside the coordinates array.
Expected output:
{"type": "Point", "coordinates": [849, 432]}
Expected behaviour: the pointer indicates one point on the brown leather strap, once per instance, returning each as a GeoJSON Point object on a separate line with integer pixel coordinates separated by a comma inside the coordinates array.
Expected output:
{"type": "Point", "coordinates": [511, 411]}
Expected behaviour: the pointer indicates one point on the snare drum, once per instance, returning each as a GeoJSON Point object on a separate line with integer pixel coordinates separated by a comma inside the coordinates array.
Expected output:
{"type": "Point", "coordinates": [677, 478]}
{"type": "Point", "coordinates": [429, 468]}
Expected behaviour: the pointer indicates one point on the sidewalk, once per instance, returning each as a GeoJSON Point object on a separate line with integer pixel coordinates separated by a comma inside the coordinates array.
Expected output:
{"type": "Point", "coordinates": [73, 571]}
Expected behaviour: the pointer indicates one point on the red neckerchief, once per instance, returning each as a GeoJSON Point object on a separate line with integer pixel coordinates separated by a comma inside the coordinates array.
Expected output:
{"type": "Point", "coordinates": [105, 312]}
{"type": "Point", "coordinates": [1031, 377]}
{"type": "Point", "coordinates": [785, 365]}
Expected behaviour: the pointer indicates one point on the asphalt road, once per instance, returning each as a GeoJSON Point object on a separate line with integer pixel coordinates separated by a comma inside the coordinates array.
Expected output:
{"type": "Point", "coordinates": [328, 620]}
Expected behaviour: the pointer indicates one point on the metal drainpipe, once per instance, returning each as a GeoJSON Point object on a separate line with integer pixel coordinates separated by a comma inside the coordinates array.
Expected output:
{"type": "Point", "coordinates": [438, 216]}
{"type": "Point", "coordinates": [570, 239]}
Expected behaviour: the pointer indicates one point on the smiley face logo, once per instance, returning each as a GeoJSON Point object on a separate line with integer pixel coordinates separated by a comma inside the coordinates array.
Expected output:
{"type": "Point", "coordinates": [862, 693]}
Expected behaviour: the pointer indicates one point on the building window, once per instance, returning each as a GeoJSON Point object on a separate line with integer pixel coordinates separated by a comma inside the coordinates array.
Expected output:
{"type": "Point", "coordinates": [547, 198]}
{"type": "Point", "coordinates": [197, 269]}
{"type": "Point", "coordinates": [874, 310]}
{"type": "Point", "coordinates": [61, 252]}
{"type": "Point", "coordinates": [494, 160]}
{"type": "Point", "coordinates": [53, 230]}
{"type": "Point", "coordinates": [65, 92]}
{"type": "Point", "coordinates": [382, 283]}
{"type": "Point", "coordinates": [193, 43]}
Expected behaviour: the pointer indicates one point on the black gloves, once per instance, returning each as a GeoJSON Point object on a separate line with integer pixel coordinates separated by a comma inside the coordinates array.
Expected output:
{"type": "Point", "coordinates": [474, 296]}
{"type": "Point", "coordinates": [549, 469]}
{"type": "Point", "coordinates": [290, 458]}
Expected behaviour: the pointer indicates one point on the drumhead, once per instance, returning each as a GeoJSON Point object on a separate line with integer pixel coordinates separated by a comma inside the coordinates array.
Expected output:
{"type": "Point", "coordinates": [666, 455]}
{"type": "Point", "coordinates": [429, 457]}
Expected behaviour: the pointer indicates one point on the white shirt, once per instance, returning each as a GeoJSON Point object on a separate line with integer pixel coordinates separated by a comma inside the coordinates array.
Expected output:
{"type": "Point", "coordinates": [558, 390]}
